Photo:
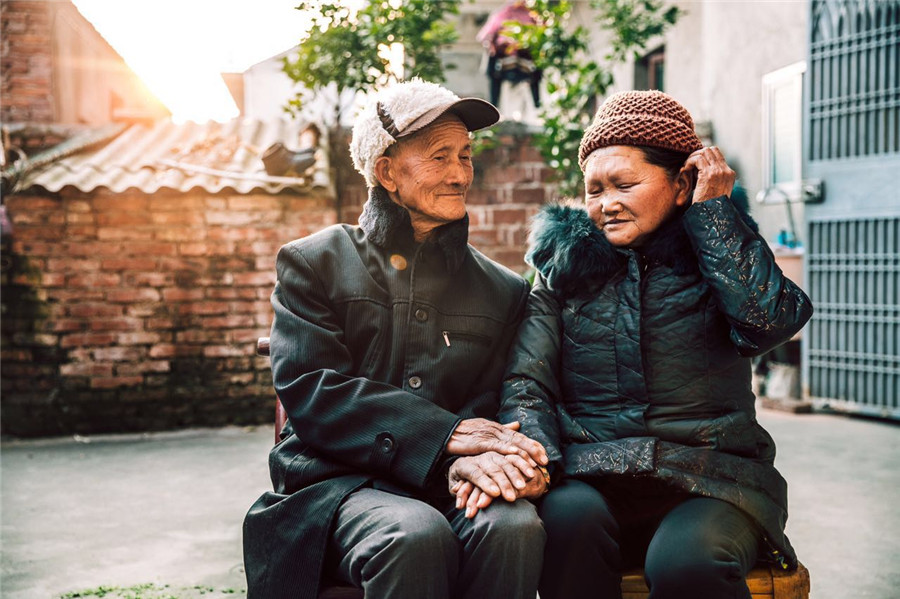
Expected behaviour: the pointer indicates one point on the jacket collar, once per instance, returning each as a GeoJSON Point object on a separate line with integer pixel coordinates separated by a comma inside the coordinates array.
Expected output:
{"type": "Point", "coordinates": [387, 225]}
{"type": "Point", "coordinates": [570, 252]}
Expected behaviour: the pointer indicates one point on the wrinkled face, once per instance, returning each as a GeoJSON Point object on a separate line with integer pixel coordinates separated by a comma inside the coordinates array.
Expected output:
{"type": "Point", "coordinates": [629, 198]}
{"type": "Point", "coordinates": [430, 173]}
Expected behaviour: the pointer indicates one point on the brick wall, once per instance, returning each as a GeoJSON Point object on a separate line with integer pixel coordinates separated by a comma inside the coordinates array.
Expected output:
{"type": "Point", "coordinates": [125, 312]}
{"type": "Point", "coordinates": [25, 62]}
{"type": "Point", "coordinates": [128, 312]}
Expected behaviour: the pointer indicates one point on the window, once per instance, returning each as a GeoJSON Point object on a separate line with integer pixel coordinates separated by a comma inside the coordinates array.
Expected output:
{"type": "Point", "coordinates": [782, 105]}
{"type": "Point", "coordinates": [649, 71]}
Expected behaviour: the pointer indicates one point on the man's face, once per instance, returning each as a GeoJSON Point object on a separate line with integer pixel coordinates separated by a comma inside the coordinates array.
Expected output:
{"type": "Point", "coordinates": [430, 173]}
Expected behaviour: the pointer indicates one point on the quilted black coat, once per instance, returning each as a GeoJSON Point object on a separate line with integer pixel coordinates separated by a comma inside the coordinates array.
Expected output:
{"type": "Point", "coordinates": [637, 364]}
{"type": "Point", "coordinates": [380, 346]}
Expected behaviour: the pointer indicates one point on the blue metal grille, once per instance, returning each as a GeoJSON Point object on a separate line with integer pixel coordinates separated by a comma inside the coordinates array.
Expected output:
{"type": "Point", "coordinates": [854, 103]}
{"type": "Point", "coordinates": [854, 335]}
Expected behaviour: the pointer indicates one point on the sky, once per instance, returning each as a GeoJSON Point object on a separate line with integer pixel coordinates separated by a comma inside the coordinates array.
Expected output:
{"type": "Point", "coordinates": [179, 47]}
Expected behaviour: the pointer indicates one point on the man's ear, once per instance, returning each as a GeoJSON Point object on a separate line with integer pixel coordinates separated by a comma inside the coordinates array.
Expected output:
{"type": "Point", "coordinates": [384, 173]}
{"type": "Point", "coordinates": [685, 181]}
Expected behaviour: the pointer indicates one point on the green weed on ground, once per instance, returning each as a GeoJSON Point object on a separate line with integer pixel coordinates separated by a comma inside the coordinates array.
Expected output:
{"type": "Point", "coordinates": [154, 591]}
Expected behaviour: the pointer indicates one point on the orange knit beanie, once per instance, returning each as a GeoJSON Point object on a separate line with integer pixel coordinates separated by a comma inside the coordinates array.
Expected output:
{"type": "Point", "coordinates": [640, 118]}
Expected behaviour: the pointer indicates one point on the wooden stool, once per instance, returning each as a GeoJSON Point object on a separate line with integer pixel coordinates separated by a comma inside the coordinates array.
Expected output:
{"type": "Point", "coordinates": [764, 583]}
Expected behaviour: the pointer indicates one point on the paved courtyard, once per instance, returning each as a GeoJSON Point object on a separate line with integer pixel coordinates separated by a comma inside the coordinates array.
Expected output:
{"type": "Point", "coordinates": [166, 508]}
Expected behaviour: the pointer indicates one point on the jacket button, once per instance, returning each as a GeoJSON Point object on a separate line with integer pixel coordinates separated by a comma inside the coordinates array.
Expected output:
{"type": "Point", "coordinates": [421, 315]}
{"type": "Point", "coordinates": [415, 382]}
{"type": "Point", "coordinates": [387, 445]}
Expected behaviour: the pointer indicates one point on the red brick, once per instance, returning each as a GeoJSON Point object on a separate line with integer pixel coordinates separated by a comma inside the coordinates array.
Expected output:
{"type": "Point", "coordinates": [125, 296]}
{"type": "Point", "coordinates": [86, 340]}
{"type": "Point", "coordinates": [228, 322]}
{"type": "Point", "coordinates": [118, 354]}
{"type": "Point", "coordinates": [255, 279]}
{"type": "Point", "coordinates": [162, 350]}
{"type": "Point", "coordinates": [193, 249]}
{"type": "Point", "coordinates": [116, 324]}
{"type": "Point", "coordinates": [179, 203]}
{"type": "Point", "coordinates": [71, 264]}
{"type": "Point", "coordinates": [181, 295]}
{"type": "Point", "coordinates": [226, 351]}
{"type": "Point", "coordinates": [65, 325]}
{"type": "Point", "coordinates": [149, 279]}
{"type": "Point", "coordinates": [204, 308]}
{"type": "Point", "coordinates": [124, 234]}
{"type": "Point", "coordinates": [93, 249]}
{"type": "Point", "coordinates": [86, 369]}
{"type": "Point", "coordinates": [176, 234]}
{"type": "Point", "coordinates": [128, 264]}
{"type": "Point", "coordinates": [254, 203]}
{"type": "Point", "coordinates": [160, 324]}
{"type": "Point", "coordinates": [138, 338]}
{"type": "Point", "coordinates": [514, 216]}
{"type": "Point", "coordinates": [143, 366]}
{"type": "Point", "coordinates": [116, 381]}
{"type": "Point", "coordinates": [114, 202]}
{"type": "Point", "coordinates": [49, 279]}
{"type": "Point", "coordinates": [95, 279]}
{"type": "Point", "coordinates": [152, 248]}
{"type": "Point", "coordinates": [533, 195]}
{"type": "Point", "coordinates": [199, 336]}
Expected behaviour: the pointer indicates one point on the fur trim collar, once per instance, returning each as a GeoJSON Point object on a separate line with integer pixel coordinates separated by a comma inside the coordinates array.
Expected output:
{"type": "Point", "coordinates": [571, 253]}
{"type": "Point", "coordinates": [387, 224]}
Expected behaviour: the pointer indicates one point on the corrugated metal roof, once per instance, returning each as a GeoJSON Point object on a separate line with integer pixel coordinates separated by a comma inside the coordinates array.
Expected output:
{"type": "Point", "coordinates": [211, 156]}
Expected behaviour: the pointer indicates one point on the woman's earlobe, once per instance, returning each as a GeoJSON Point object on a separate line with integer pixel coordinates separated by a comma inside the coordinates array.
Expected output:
{"type": "Point", "coordinates": [684, 186]}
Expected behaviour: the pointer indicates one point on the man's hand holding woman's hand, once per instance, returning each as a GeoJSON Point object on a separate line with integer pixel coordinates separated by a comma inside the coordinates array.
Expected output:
{"type": "Point", "coordinates": [478, 435]}
{"type": "Point", "coordinates": [499, 462]}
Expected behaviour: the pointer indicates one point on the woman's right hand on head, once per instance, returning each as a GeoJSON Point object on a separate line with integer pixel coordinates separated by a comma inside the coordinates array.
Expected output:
{"type": "Point", "coordinates": [474, 436]}
{"type": "Point", "coordinates": [714, 177]}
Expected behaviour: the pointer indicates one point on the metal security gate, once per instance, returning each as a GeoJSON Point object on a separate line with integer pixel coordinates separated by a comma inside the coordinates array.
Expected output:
{"type": "Point", "coordinates": [852, 143]}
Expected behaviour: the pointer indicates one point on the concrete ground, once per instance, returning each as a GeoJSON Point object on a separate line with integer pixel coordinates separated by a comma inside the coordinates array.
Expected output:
{"type": "Point", "coordinates": [166, 509]}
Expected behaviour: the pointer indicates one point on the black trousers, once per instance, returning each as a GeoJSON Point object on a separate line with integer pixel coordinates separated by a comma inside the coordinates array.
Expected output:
{"type": "Point", "coordinates": [690, 547]}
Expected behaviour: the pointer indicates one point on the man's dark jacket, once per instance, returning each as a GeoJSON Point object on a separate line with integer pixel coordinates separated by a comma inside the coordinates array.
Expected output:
{"type": "Point", "coordinates": [637, 364]}
{"type": "Point", "coordinates": [379, 347]}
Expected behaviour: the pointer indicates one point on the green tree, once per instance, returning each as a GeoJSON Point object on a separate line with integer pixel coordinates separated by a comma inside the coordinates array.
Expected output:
{"type": "Point", "coordinates": [573, 78]}
{"type": "Point", "coordinates": [346, 49]}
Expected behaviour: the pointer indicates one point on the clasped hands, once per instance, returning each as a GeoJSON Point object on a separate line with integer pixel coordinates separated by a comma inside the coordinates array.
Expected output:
{"type": "Point", "coordinates": [497, 461]}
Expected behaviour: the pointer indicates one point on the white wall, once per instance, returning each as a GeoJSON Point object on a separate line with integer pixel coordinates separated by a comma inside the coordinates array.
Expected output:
{"type": "Point", "coordinates": [716, 56]}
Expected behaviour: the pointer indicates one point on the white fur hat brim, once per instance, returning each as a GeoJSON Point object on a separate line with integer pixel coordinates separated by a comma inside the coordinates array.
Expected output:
{"type": "Point", "coordinates": [404, 108]}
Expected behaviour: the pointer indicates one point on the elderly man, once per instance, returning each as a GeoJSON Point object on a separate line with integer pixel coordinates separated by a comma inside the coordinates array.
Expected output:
{"type": "Point", "coordinates": [388, 347]}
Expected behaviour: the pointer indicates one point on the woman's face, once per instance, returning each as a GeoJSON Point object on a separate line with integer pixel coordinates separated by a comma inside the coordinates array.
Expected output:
{"type": "Point", "coordinates": [627, 197]}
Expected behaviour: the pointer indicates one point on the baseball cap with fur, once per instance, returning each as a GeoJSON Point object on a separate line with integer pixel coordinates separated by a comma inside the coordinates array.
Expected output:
{"type": "Point", "coordinates": [402, 109]}
{"type": "Point", "coordinates": [640, 118]}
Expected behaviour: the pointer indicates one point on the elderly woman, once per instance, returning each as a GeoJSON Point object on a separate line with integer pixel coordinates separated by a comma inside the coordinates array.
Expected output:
{"type": "Point", "coordinates": [632, 367]}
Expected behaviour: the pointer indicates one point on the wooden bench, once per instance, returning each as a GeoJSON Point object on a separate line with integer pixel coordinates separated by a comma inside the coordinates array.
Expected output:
{"type": "Point", "coordinates": [764, 582]}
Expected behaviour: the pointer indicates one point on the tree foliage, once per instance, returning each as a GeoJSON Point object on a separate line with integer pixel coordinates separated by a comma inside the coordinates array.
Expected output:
{"type": "Point", "coordinates": [345, 49]}
{"type": "Point", "coordinates": [345, 52]}
{"type": "Point", "coordinates": [573, 78]}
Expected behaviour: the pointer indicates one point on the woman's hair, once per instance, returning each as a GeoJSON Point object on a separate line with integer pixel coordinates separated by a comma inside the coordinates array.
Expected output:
{"type": "Point", "coordinates": [670, 160]}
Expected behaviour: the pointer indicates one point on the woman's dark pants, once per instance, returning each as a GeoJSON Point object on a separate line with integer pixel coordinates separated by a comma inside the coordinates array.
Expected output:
{"type": "Point", "coordinates": [690, 546]}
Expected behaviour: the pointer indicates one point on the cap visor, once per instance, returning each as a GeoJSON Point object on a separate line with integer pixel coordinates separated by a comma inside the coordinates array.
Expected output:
{"type": "Point", "coordinates": [475, 114]}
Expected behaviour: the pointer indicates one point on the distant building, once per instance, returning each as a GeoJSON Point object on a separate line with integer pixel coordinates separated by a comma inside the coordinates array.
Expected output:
{"type": "Point", "coordinates": [56, 68]}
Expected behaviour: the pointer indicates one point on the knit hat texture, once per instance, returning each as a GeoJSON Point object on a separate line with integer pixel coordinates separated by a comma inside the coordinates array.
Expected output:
{"type": "Point", "coordinates": [403, 108]}
{"type": "Point", "coordinates": [640, 118]}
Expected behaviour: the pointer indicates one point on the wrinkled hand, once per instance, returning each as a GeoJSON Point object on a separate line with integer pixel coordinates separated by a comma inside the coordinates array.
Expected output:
{"type": "Point", "coordinates": [476, 481]}
{"type": "Point", "coordinates": [714, 177]}
{"type": "Point", "coordinates": [474, 436]}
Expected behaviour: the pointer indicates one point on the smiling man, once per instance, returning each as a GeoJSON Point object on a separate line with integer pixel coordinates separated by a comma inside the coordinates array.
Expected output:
{"type": "Point", "coordinates": [388, 347]}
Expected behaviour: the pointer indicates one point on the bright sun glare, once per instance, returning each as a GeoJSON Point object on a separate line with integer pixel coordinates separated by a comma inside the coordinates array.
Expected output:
{"type": "Point", "coordinates": [180, 47]}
